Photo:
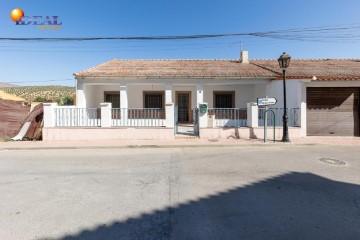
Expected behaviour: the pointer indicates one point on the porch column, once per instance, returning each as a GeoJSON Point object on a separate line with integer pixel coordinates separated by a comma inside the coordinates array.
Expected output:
{"type": "Point", "coordinates": [123, 103]}
{"type": "Point", "coordinates": [80, 95]}
{"type": "Point", "coordinates": [203, 117]}
{"type": "Point", "coordinates": [169, 106]}
{"type": "Point", "coordinates": [303, 109]}
{"type": "Point", "coordinates": [49, 115]}
{"type": "Point", "coordinates": [105, 114]}
{"type": "Point", "coordinates": [252, 115]}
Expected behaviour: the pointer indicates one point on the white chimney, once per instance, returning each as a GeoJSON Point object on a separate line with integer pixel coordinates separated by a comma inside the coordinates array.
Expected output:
{"type": "Point", "coordinates": [244, 57]}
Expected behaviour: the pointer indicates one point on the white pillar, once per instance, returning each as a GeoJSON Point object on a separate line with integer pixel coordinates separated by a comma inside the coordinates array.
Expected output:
{"type": "Point", "coordinates": [169, 106]}
{"type": "Point", "coordinates": [124, 102]}
{"type": "Point", "coordinates": [105, 114]}
{"type": "Point", "coordinates": [168, 93]}
{"type": "Point", "coordinates": [252, 115]}
{"type": "Point", "coordinates": [303, 109]}
{"type": "Point", "coordinates": [199, 94]}
{"type": "Point", "coordinates": [80, 95]}
{"type": "Point", "coordinates": [203, 117]}
{"type": "Point", "coordinates": [49, 115]}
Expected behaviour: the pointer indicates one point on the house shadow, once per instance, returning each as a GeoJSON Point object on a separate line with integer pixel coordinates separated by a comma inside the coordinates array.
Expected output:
{"type": "Point", "coordinates": [290, 206]}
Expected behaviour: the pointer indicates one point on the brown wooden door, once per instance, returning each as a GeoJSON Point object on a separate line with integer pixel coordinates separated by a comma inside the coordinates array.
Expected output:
{"type": "Point", "coordinates": [183, 102]}
{"type": "Point", "coordinates": [333, 111]}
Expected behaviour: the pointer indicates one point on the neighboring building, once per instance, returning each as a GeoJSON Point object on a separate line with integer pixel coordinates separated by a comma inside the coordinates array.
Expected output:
{"type": "Point", "coordinates": [155, 99]}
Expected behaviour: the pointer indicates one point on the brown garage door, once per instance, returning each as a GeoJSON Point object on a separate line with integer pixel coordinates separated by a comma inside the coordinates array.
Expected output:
{"type": "Point", "coordinates": [333, 111]}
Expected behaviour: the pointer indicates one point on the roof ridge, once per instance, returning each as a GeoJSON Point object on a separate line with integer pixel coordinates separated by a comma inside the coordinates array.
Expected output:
{"type": "Point", "coordinates": [176, 59]}
{"type": "Point", "coordinates": [311, 59]}
{"type": "Point", "coordinates": [96, 66]}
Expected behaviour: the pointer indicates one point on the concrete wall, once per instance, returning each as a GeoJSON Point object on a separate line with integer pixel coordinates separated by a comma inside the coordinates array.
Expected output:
{"type": "Point", "coordinates": [244, 93]}
{"type": "Point", "coordinates": [95, 94]}
{"type": "Point", "coordinates": [275, 89]}
{"type": "Point", "coordinates": [96, 134]}
{"type": "Point", "coordinates": [246, 133]}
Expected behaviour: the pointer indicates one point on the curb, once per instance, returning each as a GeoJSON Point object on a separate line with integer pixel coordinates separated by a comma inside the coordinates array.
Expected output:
{"type": "Point", "coordinates": [162, 146]}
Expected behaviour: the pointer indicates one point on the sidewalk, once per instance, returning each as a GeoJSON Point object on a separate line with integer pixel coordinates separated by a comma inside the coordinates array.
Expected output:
{"type": "Point", "coordinates": [27, 145]}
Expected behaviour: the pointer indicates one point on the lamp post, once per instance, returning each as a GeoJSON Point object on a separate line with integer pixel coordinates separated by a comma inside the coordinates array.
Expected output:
{"type": "Point", "coordinates": [284, 62]}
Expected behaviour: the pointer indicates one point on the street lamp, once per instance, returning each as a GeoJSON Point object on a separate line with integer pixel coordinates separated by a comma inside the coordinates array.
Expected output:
{"type": "Point", "coordinates": [284, 62]}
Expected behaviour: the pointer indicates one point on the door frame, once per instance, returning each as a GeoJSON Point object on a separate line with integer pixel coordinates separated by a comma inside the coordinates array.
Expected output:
{"type": "Point", "coordinates": [189, 105]}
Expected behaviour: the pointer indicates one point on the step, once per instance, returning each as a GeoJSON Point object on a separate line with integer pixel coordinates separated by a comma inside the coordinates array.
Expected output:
{"type": "Point", "coordinates": [186, 137]}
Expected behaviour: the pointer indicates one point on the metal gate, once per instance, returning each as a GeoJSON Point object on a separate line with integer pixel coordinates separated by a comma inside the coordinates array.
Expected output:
{"type": "Point", "coordinates": [196, 121]}
{"type": "Point", "coordinates": [176, 120]}
{"type": "Point", "coordinates": [187, 129]}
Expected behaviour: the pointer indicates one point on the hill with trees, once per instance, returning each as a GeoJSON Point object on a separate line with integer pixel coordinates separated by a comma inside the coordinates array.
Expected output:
{"type": "Point", "coordinates": [63, 95]}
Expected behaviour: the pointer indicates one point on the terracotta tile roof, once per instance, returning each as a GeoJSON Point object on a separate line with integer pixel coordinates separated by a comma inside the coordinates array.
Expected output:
{"type": "Point", "coordinates": [325, 69]}
{"type": "Point", "coordinates": [176, 68]}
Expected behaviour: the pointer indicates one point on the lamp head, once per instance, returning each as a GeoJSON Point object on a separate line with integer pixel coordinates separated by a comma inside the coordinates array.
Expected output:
{"type": "Point", "coordinates": [284, 60]}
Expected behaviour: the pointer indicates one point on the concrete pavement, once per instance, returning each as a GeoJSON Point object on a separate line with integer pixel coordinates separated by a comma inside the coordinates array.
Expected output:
{"type": "Point", "coordinates": [279, 192]}
{"type": "Point", "coordinates": [27, 145]}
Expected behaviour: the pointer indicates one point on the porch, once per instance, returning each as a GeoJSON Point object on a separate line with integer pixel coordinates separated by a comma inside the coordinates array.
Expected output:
{"type": "Point", "coordinates": [108, 123]}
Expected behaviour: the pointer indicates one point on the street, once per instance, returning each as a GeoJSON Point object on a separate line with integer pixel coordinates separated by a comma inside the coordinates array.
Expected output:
{"type": "Point", "coordinates": [249, 192]}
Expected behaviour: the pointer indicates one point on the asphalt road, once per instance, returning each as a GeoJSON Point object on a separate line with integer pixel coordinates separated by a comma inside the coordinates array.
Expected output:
{"type": "Point", "coordinates": [278, 192]}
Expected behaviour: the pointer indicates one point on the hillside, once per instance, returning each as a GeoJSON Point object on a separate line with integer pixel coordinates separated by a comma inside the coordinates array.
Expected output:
{"type": "Point", "coordinates": [29, 93]}
{"type": "Point", "coordinates": [7, 96]}
{"type": "Point", "coordinates": [6, 85]}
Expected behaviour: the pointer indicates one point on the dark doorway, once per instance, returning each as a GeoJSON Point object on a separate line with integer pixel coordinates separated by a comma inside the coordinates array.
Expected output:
{"type": "Point", "coordinates": [113, 98]}
{"type": "Point", "coordinates": [183, 102]}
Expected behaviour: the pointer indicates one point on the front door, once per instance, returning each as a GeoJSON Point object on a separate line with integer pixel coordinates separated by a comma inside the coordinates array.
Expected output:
{"type": "Point", "coordinates": [183, 101]}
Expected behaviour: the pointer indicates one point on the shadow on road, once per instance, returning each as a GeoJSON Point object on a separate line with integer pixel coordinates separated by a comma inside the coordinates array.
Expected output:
{"type": "Point", "coordinates": [290, 206]}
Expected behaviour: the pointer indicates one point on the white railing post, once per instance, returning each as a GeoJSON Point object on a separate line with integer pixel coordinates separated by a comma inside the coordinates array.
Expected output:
{"type": "Point", "coordinates": [49, 115]}
{"type": "Point", "coordinates": [105, 114]}
{"type": "Point", "coordinates": [252, 115]}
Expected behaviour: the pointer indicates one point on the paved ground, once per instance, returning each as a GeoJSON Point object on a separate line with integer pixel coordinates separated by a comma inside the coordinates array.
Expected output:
{"type": "Point", "coordinates": [279, 192]}
{"type": "Point", "coordinates": [343, 141]}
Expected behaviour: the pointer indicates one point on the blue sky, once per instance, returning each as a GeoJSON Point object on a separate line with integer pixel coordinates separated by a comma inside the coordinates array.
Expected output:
{"type": "Point", "coordinates": [28, 62]}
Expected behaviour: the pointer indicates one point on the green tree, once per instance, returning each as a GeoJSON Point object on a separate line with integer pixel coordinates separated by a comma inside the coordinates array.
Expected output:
{"type": "Point", "coordinates": [40, 99]}
{"type": "Point", "coordinates": [68, 100]}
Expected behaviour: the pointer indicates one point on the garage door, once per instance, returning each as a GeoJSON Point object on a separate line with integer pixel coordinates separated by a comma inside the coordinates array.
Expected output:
{"type": "Point", "coordinates": [333, 111]}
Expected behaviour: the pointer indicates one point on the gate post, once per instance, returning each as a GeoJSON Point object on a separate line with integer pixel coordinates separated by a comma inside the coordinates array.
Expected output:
{"type": "Point", "coordinates": [169, 115]}
{"type": "Point", "coordinates": [196, 116]}
{"type": "Point", "coordinates": [49, 115]}
{"type": "Point", "coordinates": [252, 115]}
{"type": "Point", "coordinates": [106, 117]}
{"type": "Point", "coordinates": [203, 116]}
{"type": "Point", "coordinates": [176, 118]}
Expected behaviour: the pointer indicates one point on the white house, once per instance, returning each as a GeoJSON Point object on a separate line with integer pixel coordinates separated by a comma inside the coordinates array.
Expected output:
{"type": "Point", "coordinates": [166, 99]}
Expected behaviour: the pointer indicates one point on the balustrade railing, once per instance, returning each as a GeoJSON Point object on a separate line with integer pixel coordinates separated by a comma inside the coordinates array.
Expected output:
{"type": "Point", "coordinates": [137, 117]}
{"type": "Point", "coordinates": [293, 117]}
{"type": "Point", "coordinates": [77, 117]}
{"type": "Point", "coordinates": [229, 117]}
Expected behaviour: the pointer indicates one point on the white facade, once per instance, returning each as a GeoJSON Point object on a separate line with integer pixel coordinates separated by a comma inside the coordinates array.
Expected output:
{"type": "Point", "coordinates": [90, 93]}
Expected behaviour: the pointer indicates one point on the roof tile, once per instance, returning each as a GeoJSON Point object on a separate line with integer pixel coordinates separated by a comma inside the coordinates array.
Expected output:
{"type": "Point", "coordinates": [326, 69]}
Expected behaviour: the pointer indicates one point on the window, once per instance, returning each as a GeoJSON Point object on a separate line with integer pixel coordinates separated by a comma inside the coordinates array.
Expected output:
{"type": "Point", "coordinates": [224, 99]}
{"type": "Point", "coordinates": [154, 100]}
{"type": "Point", "coordinates": [113, 98]}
